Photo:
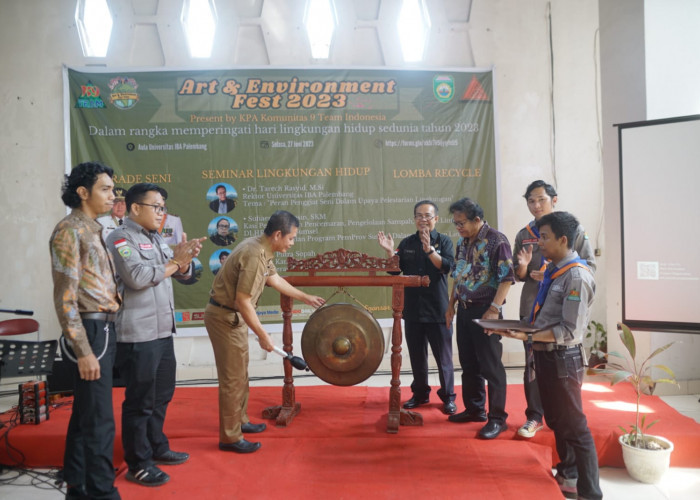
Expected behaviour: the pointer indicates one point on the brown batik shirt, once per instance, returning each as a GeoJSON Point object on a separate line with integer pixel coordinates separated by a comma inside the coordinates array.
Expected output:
{"type": "Point", "coordinates": [83, 276]}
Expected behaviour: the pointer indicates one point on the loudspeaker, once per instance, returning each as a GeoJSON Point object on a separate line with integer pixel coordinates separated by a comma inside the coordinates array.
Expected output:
{"type": "Point", "coordinates": [61, 378]}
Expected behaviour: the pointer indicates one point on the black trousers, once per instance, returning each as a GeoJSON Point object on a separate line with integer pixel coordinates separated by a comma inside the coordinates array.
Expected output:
{"type": "Point", "coordinates": [148, 369]}
{"type": "Point", "coordinates": [418, 336]}
{"type": "Point", "coordinates": [87, 461]}
{"type": "Point", "coordinates": [534, 409]}
{"type": "Point", "coordinates": [480, 358]}
{"type": "Point", "coordinates": [559, 377]}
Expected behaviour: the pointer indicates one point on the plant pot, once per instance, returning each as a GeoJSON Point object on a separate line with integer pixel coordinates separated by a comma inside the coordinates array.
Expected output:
{"type": "Point", "coordinates": [647, 466]}
{"type": "Point", "coordinates": [595, 361]}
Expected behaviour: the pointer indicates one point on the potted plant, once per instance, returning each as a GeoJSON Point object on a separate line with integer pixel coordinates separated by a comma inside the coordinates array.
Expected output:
{"type": "Point", "coordinates": [646, 457]}
{"type": "Point", "coordinates": [599, 347]}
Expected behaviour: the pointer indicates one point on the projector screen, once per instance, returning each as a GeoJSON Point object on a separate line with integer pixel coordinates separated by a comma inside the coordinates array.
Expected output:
{"type": "Point", "coordinates": [660, 204]}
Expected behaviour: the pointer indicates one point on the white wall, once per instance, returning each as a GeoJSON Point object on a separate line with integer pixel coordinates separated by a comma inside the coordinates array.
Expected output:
{"type": "Point", "coordinates": [625, 97]}
{"type": "Point", "coordinates": [672, 45]}
{"type": "Point", "coordinates": [546, 104]}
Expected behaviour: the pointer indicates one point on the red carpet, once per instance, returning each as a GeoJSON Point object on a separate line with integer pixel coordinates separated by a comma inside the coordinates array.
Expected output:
{"type": "Point", "coordinates": [338, 447]}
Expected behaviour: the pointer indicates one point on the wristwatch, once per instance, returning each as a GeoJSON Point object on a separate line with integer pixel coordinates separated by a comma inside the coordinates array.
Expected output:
{"type": "Point", "coordinates": [496, 307]}
{"type": "Point", "coordinates": [431, 251]}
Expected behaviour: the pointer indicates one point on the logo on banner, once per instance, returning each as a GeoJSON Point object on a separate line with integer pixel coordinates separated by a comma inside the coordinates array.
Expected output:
{"type": "Point", "coordinates": [89, 97]}
{"type": "Point", "coordinates": [443, 88]}
{"type": "Point", "coordinates": [124, 95]}
{"type": "Point", "coordinates": [475, 92]}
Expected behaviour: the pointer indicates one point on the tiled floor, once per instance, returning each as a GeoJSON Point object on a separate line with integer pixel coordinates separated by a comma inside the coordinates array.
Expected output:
{"type": "Point", "coordinates": [677, 484]}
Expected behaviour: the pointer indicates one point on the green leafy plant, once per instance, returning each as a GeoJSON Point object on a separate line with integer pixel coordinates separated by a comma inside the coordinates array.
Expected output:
{"type": "Point", "coordinates": [597, 332]}
{"type": "Point", "coordinates": [638, 374]}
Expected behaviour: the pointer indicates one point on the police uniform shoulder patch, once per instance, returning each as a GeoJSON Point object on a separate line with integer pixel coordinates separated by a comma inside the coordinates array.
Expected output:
{"type": "Point", "coordinates": [574, 295]}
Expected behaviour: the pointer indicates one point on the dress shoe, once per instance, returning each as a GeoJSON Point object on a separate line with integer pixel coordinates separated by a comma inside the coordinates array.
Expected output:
{"type": "Point", "coordinates": [171, 457]}
{"type": "Point", "coordinates": [241, 446]}
{"type": "Point", "coordinates": [449, 408]}
{"type": "Point", "coordinates": [466, 416]}
{"type": "Point", "coordinates": [415, 403]}
{"type": "Point", "coordinates": [492, 429]}
{"type": "Point", "coordinates": [253, 428]}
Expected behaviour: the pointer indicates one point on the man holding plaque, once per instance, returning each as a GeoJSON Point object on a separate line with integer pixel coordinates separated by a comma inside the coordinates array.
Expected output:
{"type": "Point", "coordinates": [561, 312]}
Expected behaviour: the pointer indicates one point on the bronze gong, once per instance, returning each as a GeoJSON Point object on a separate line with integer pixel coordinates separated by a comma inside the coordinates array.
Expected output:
{"type": "Point", "coordinates": [342, 344]}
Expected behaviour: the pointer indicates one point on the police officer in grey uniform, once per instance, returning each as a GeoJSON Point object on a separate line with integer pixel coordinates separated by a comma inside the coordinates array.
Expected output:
{"type": "Point", "coordinates": [145, 326]}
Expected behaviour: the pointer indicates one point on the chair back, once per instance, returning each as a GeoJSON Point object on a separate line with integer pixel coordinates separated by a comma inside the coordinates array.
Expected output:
{"type": "Point", "coordinates": [18, 326]}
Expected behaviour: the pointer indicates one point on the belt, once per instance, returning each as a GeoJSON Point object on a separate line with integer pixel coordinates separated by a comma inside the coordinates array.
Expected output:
{"type": "Point", "coordinates": [100, 316]}
{"type": "Point", "coordinates": [551, 346]}
{"type": "Point", "coordinates": [215, 303]}
{"type": "Point", "coordinates": [468, 303]}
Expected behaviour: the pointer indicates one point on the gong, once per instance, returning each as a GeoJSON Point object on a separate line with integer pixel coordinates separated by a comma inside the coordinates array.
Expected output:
{"type": "Point", "coordinates": [342, 344]}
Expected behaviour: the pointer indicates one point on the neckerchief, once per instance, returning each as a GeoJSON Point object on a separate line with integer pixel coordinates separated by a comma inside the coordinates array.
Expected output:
{"type": "Point", "coordinates": [549, 276]}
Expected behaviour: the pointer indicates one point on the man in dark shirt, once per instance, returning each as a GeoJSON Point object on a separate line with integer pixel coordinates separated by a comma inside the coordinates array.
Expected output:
{"type": "Point", "coordinates": [222, 204]}
{"type": "Point", "coordinates": [222, 237]}
{"type": "Point", "coordinates": [430, 253]}
{"type": "Point", "coordinates": [483, 274]}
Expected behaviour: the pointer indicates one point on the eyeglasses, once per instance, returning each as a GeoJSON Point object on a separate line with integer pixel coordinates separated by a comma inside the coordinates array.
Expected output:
{"type": "Point", "coordinates": [460, 224]}
{"type": "Point", "coordinates": [158, 209]}
{"type": "Point", "coordinates": [427, 217]}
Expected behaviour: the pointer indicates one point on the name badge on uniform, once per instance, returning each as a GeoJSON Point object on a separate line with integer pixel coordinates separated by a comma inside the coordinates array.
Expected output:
{"type": "Point", "coordinates": [145, 246]}
{"type": "Point", "coordinates": [530, 241]}
{"type": "Point", "coordinates": [557, 288]}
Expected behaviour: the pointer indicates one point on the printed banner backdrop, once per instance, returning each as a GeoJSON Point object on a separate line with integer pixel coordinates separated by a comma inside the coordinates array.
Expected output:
{"type": "Point", "coordinates": [349, 152]}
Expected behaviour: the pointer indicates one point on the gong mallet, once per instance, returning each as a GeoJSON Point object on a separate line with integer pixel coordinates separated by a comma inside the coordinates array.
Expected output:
{"type": "Point", "coordinates": [296, 361]}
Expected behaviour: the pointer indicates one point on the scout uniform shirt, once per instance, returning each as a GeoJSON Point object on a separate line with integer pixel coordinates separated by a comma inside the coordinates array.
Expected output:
{"type": "Point", "coordinates": [529, 235]}
{"type": "Point", "coordinates": [568, 303]}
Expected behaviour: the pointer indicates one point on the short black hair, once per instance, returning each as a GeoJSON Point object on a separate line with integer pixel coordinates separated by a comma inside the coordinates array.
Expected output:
{"type": "Point", "coordinates": [562, 224]}
{"type": "Point", "coordinates": [281, 220]}
{"type": "Point", "coordinates": [425, 202]}
{"type": "Point", "coordinates": [223, 219]}
{"type": "Point", "coordinates": [216, 189]}
{"type": "Point", "coordinates": [83, 175]}
{"type": "Point", "coordinates": [468, 207]}
{"type": "Point", "coordinates": [137, 193]}
{"type": "Point", "coordinates": [548, 188]}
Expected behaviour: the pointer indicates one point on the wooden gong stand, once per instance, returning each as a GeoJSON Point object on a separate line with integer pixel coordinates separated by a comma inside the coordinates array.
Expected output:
{"type": "Point", "coordinates": [342, 260]}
